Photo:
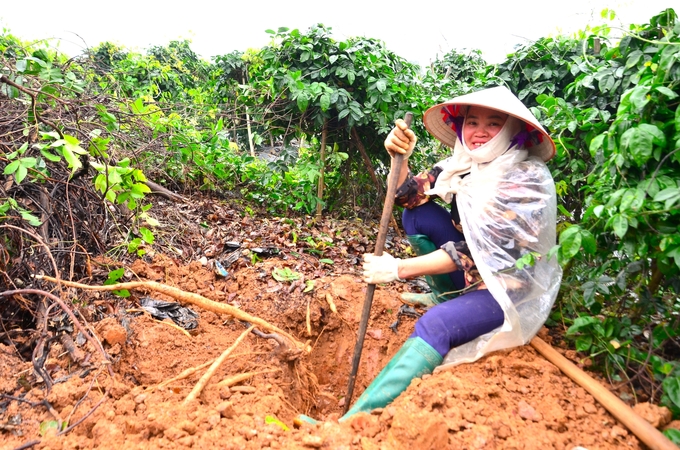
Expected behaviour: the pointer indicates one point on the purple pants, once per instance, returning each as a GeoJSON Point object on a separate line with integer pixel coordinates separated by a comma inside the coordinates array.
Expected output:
{"type": "Point", "coordinates": [464, 318]}
{"type": "Point", "coordinates": [460, 320]}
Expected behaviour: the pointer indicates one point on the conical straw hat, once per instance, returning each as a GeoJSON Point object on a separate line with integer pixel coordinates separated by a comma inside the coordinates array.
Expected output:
{"type": "Point", "coordinates": [499, 98]}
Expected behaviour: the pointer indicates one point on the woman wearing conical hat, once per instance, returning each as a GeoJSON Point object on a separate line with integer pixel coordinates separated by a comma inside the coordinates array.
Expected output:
{"type": "Point", "coordinates": [500, 206]}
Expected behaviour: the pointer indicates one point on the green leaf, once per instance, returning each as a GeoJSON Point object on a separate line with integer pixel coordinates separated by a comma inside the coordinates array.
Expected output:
{"type": "Point", "coordinates": [570, 240]}
{"type": "Point", "coordinates": [137, 107]}
{"type": "Point", "coordinates": [302, 101]}
{"type": "Point", "coordinates": [584, 342]}
{"type": "Point", "coordinates": [633, 58]}
{"type": "Point", "coordinates": [620, 225]}
{"type": "Point", "coordinates": [327, 261]}
{"type": "Point", "coordinates": [138, 190]}
{"type": "Point", "coordinates": [638, 143]}
{"type": "Point", "coordinates": [11, 167]}
{"type": "Point", "coordinates": [72, 160]}
{"type": "Point", "coordinates": [30, 218]}
{"type": "Point", "coordinates": [673, 434]}
{"type": "Point", "coordinates": [325, 102]}
{"type": "Point", "coordinates": [147, 235]}
{"type": "Point", "coordinates": [667, 92]}
{"type": "Point", "coordinates": [526, 260]}
{"type": "Point", "coordinates": [588, 242]}
{"type": "Point", "coordinates": [662, 333]}
{"type": "Point", "coordinates": [381, 85]}
{"type": "Point", "coordinates": [671, 387]}
{"type": "Point", "coordinates": [285, 274]}
{"type": "Point", "coordinates": [20, 173]}
{"type": "Point", "coordinates": [582, 322]}
{"type": "Point", "coordinates": [669, 195]}
{"type": "Point", "coordinates": [49, 156]}
{"type": "Point", "coordinates": [114, 276]}
{"type": "Point", "coordinates": [633, 199]}
{"type": "Point", "coordinates": [639, 97]}
{"type": "Point", "coordinates": [50, 425]}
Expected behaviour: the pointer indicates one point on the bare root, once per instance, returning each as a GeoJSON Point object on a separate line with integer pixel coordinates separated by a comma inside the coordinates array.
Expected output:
{"type": "Point", "coordinates": [187, 297]}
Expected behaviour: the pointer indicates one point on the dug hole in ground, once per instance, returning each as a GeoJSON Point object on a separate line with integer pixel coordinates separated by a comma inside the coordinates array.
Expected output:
{"type": "Point", "coordinates": [511, 399]}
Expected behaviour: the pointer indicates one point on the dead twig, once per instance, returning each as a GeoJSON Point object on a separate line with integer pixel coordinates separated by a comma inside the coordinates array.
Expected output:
{"type": "Point", "coordinates": [89, 413]}
{"type": "Point", "coordinates": [27, 445]}
{"type": "Point", "coordinates": [90, 337]}
{"type": "Point", "coordinates": [196, 391]}
{"type": "Point", "coordinates": [188, 297]}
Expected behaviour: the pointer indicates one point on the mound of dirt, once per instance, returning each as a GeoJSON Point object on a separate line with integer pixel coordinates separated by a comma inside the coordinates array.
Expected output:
{"type": "Point", "coordinates": [512, 399]}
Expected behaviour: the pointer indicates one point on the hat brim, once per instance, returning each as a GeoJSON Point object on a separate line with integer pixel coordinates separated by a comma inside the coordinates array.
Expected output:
{"type": "Point", "coordinates": [498, 98]}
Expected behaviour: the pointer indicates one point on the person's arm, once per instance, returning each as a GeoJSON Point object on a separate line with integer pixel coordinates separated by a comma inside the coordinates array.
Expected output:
{"type": "Point", "coordinates": [386, 268]}
{"type": "Point", "coordinates": [435, 263]}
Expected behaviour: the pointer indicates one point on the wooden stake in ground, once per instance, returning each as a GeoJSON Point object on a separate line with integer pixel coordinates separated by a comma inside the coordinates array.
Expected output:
{"type": "Point", "coordinates": [196, 391]}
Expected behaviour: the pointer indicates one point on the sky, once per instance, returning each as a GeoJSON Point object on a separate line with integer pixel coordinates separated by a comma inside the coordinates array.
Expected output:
{"type": "Point", "coordinates": [418, 32]}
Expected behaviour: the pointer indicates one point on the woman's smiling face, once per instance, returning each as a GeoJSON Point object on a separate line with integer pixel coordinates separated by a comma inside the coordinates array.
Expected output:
{"type": "Point", "coordinates": [481, 125]}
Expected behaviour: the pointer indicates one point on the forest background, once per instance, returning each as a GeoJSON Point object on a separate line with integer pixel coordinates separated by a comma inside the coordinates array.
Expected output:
{"type": "Point", "coordinates": [296, 128]}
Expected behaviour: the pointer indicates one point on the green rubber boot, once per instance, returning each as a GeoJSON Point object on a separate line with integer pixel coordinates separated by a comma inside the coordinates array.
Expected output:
{"type": "Point", "coordinates": [414, 359]}
{"type": "Point", "coordinates": [439, 284]}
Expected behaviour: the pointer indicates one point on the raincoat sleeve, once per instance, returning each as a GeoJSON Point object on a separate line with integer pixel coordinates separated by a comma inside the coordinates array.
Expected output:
{"type": "Point", "coordinates": [508, 210]}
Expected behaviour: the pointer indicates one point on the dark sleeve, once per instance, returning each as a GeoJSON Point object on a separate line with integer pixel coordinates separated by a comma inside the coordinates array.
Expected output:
{"type": "Point", "coordinates": [411, 193]}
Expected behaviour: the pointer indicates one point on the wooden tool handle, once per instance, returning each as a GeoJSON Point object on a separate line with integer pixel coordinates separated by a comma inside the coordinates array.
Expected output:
{"type": "Point", "coordinates": [395, 170]}
{"type": "Point", "coordinates": [652, 437]}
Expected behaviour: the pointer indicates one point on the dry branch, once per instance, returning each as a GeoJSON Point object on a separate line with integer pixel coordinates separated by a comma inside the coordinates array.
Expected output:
{"type": "Point", "coordinates": [163, 192]}
{"type": "Point", "coordinates": [187, 297]}
{"type": "Point", "coordinates": [196, 391]}
{"type": "Point", "coordinates": [90, 336]}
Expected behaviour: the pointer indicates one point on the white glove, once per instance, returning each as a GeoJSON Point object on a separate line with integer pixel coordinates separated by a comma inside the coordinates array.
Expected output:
{"type": "Point", "coordinates": [381, 269]}
{"type": "Point", "coordinates": [400, 140]}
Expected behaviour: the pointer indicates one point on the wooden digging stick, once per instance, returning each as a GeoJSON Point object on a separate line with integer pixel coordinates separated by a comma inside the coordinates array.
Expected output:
{"type": "Point", "coordinates": [395, 170]}
{"type": "Point", "coordinates": [652, 437]}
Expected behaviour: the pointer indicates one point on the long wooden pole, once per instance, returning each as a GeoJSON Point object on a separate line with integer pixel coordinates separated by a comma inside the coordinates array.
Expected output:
{"type": "Point", "coordinates": [652, 437]}
{"type": "Point", "coordinates": [395, 170]}
{"type": "Point", "coordinates": [322, 169]}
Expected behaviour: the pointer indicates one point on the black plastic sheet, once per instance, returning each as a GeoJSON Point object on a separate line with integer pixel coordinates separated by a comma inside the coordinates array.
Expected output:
{"type": "Point", "coordinates": [161, 310]}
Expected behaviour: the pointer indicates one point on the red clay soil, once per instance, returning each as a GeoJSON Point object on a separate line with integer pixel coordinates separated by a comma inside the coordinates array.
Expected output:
{"type": "Point", "coordinates": [507, 400]}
